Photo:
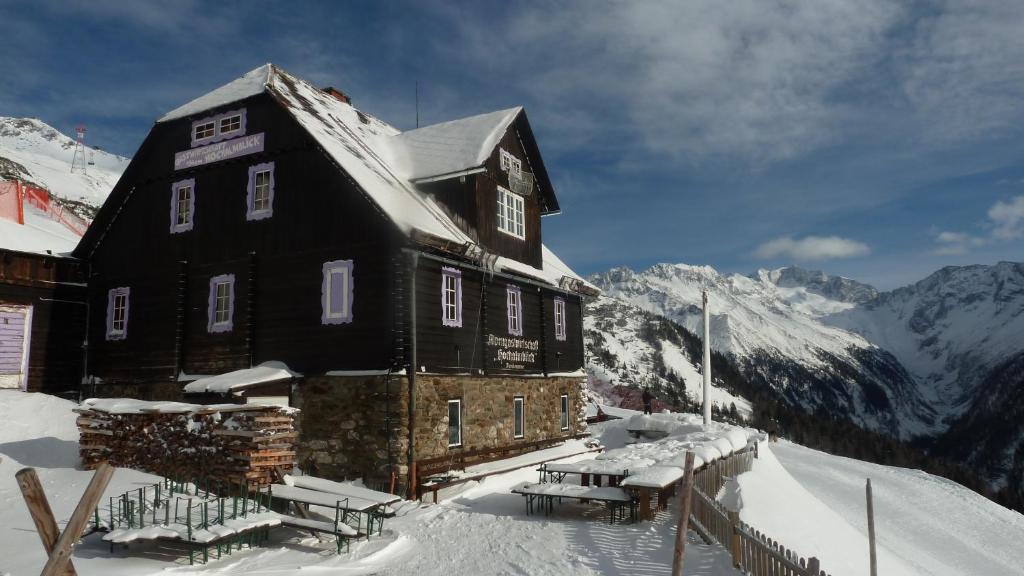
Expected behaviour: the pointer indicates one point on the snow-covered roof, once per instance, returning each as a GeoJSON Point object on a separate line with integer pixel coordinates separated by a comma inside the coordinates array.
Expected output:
{"type": "Point", "coordinates": [384, 162]}
{"type": "Point", "coordinates": [253, 83]}
{"type": "Point", "coordinates": [241, 379]}
{"type": "Point", "coordinates": [450, 147]}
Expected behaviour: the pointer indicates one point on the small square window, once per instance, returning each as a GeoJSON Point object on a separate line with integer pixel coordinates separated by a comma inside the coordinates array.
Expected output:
{"type": "Point", "coordinates": [336, 292]}
{"type": "Point", "coordinates": [518, 417]}
{"type": "Point", "coordinates": [260, 192]}
{"type": "Point", "coordinates": [510, 164]}
{"type": "Point", "coordinates": [559, 319]}
{"type": "Point", "coordinates": [221, 305]}
{"type": "Point", "coordinates": [451, 297]}
{"type": "Point", "coordinates": [454, 423]}
{"type": "Point", "coordinates": [564, 413]}
{"type": "Point", "coordinates": [514, 304]}
{"type": "Point", "coordinates": [204, 130]}
{"type": "Point", "coordinates": [117, 313]}
{"type": "Point", "coordinates": [183, 205]}
{"type": "Point", "coordinates": [231, 123]}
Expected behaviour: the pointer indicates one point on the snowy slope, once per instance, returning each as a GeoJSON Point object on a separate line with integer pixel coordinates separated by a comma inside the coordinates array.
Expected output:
{"type": "Point", "coordinates": [40, 233]}
{"type": "Point", "coordinates": [44, 156]}
{"type": "Point", "coordinates": [773, 327]}
{"type": "Point", "coordinates": [625, 347]}
{"type": "Point", "coordinates": [925, 524]}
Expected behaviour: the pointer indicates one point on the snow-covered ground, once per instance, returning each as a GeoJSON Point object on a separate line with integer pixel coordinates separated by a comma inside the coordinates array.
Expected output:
{"type": "Point", "coordinates": [39, 234]}
{"type": "Point", "coordinates": [810, 501]}
{"type": "Point", "coordinates": [925, 524]}
{"type": "Point", "coordinates": [483, 530]}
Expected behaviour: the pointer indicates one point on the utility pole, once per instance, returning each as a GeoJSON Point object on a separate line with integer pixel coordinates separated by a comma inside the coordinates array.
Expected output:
{"type": "Point", "coordinates": [706, 366]}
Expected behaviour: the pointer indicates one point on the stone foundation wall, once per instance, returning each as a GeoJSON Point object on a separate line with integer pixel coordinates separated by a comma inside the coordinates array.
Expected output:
{"type": "Point", "coordinates": [348, 424]}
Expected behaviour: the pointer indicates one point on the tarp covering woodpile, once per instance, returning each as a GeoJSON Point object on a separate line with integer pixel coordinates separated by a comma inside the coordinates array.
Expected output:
{"type": "Point", "coordinates": [226, 443]}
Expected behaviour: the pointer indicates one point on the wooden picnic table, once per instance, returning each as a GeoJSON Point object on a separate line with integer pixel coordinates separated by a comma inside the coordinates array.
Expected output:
{"type": "Point", "coordinates": [340, 488]}
{"type": "Point", "coordinates": [557, 471]}
{"type": "Point", "coordinates": [653, 479]}
{"type": "Point", "coordinates": [374, 511]}
{"type": "Point", "coordinates": [545, 494]}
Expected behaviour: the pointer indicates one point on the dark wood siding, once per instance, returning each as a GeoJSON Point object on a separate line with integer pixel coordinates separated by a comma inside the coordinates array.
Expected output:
{"type": "Point", "coordinates": [318, 215]}
{"type": "Point", "coordinates": [54, 288]}
{"type": "Point", "coordinates": [565, 355]}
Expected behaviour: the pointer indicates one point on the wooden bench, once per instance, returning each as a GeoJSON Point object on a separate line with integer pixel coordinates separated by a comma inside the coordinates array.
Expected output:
{"type": "Point", "coordinates": [616, 499]}
{"type": "Point", "coordinates": [348, 507]}
{"type": "Point", "coordinates": [341, 531]}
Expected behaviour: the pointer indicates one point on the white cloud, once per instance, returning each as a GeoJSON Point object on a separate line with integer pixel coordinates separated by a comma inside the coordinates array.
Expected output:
{"type": "Point", "coordinates": [954, 243]}
{"type": "Point", "coordinates": [812, 248]}
{"type": "Point", "coordinates": [1005, 222]}
{"type": "Point", "coordinates": [1008, 218]}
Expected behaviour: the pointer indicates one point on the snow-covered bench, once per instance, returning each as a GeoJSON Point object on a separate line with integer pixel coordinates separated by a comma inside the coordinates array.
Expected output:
{"type": "Point", "coordinates": [341, 531]}
{"type": "Point", "coordinates": [348, 506]}
{"type": "Point", "coordinates": [616, 499]}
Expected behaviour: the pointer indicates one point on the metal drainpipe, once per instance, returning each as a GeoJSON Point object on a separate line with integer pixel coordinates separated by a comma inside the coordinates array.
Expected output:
{"type": "Point", "coordinates": [85, 342]}
{"type": "Point", "coordinates": [412, 372]}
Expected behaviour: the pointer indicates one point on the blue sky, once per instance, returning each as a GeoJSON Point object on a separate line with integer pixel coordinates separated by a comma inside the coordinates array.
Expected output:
{"type": "Point", "coordinates": [871, 139]}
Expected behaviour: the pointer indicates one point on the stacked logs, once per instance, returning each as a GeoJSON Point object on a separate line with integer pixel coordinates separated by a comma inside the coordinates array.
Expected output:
{"type": "Point", "coordinates": [231, 444]}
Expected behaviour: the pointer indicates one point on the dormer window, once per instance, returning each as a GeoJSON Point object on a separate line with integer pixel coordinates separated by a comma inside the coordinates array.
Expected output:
{"type": "Point", "coordinates": [220, 127]}
{"type": "Point", "coordinates": [511, 214]}
{"type": "Point", "coordinates": [510, 163]}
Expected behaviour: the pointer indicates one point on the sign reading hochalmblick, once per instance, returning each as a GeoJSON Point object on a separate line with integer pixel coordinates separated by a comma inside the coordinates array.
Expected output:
{"type": "Point", "coordinates": [220, 151]}
{"type": "Point", "coordinates": [513, 353]}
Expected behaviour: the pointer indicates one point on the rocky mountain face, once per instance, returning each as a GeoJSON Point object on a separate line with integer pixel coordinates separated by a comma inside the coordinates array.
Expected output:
{"type": "Point", "coordinates": [941, 360]}
{"type": "Point", "coordinates": [35, 152]}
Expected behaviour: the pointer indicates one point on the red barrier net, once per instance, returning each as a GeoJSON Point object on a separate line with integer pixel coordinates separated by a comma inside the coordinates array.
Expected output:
{"type": "Point", "coordinates": [10, 201]}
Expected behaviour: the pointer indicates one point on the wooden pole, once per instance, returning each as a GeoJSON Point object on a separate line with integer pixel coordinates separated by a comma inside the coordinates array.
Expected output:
{"type": "Point", "coordinates": [705, 368]}
{"type": "Point", "coordinates": [39, 509]}
{"type": "Point", "coordinates": [684, 518]}
{"type": "Point", "coordinates": [871, 530]}
{"type": "Point", "coordinates": [61, 554]}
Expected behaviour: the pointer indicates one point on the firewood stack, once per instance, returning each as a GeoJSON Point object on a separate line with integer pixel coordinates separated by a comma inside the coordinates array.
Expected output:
{"type": "Point", "coordinates": [230, 444]}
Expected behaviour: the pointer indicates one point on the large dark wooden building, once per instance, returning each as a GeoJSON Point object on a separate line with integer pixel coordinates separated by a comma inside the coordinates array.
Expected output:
{"type": "Point", "coordinates": [399, 276]}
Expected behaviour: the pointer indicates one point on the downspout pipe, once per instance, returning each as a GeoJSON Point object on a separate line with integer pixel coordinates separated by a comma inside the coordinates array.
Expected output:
{"type": "Point", "coordinates": [411, 371]}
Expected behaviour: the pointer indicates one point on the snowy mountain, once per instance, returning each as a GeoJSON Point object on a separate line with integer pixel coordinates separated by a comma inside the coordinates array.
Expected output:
{"type": "Point", "coordinates": [942, 358]}
{"type": "Point", "coordinates": [771, 324]}
{"type": "Point", "coordinates": [33, 151]}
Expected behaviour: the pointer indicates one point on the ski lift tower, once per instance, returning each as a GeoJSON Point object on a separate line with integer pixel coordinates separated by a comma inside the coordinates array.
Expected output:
{"type": "Point", "coordinates": [79, 160]}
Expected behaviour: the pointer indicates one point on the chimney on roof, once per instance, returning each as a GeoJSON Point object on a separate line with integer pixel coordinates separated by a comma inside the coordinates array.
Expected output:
{"type": "Point", "coordinates": [332, 91]}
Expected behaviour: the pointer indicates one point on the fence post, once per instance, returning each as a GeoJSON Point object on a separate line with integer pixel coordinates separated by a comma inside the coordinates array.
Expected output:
{"type": "Point", "coordinates": [813, 566]}
{"type": "Point", "coordinates": [684, 518]}
{"type": "Point", "coordinates": [734, 545]}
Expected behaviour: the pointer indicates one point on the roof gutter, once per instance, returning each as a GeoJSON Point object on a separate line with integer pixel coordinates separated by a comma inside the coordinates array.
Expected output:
{"type": "Point", "coordinates": [448, 176]}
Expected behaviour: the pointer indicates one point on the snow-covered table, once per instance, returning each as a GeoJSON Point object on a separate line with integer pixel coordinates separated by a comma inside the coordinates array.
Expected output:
{"type": "Point", "coordinates": [647, 481]}
{"type": "Point", "coordinates": [615, 470]}
{"type": "Point", "coordinates": [340, 488]}
{"type": "Point", "coordinates": [375, 511]}
{"type": "Point", "coordinates": [615, 498]}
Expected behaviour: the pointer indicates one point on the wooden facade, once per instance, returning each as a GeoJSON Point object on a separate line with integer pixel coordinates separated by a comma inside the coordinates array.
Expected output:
{"type": "Point", "coordinates": [322, 213]}
{"type": "Point", "coordinates": [49, 293]}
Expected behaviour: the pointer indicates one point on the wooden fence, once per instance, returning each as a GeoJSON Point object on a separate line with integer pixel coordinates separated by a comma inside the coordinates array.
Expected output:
{"type": "Point", "coordinates": [752, 552]}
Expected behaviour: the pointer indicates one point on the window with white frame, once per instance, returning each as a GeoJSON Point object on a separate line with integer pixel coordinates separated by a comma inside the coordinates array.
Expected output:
{"type": "Point", "coordinates": [454, 423]}
{"type": "Point", "coordinates": [183, 204]}
{"type": "Point", "coordinates": [564, 413]}
{"type": "Point", "coordinates": [336, 292]}
{"type": "Point", "coordinates": [231, 123]}
{"type": "Point", "coordinates": [260, 192]}
{"type": "Point", "coordinates": [117, 313]}
{"type": "Point", "coordinates": [514, 300]}
{"type": "Point", "coordinates": [559, 319]}
{"type": "Point", "coordinates": [219, 127]}
{"type": "Point", "coordinates": [511, 213]}
{"type": "Point", "coordinates": [221, 304]}
{"type": "Point", "coordinates": [518, 416]}
{"type": "Point", "coordinates": [204, 130]}
{"type": "Point", "coordinates": [451, 297]}
{"type": "Point", "coordinates": [510, 163]}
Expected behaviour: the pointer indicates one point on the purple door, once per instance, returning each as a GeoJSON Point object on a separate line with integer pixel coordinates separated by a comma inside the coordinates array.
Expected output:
{"type": "Point", "coordinates": [13, 346]}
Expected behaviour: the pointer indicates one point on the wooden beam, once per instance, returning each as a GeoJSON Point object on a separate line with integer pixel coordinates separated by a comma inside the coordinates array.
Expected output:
{"type": "Point", "coordinates": [679, 554]}
{"type": "Point", "coordinates": [61, 555]}
{"type": "Point", "coordinates": [42, 515]}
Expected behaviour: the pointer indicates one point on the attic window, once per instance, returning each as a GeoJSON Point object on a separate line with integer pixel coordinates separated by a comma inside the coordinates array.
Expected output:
{"type": "Point", "coordinates": [511, 214]}
{"type": "Point", "coordinates": [219, 127]}
{"type": "Point", "coordinates": [510, 164]}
